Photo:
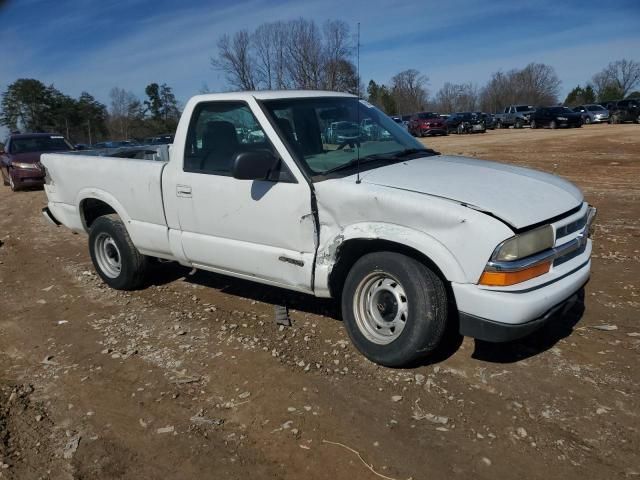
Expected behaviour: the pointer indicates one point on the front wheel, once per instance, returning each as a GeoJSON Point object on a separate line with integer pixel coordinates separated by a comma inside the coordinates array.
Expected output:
{"type": "Point", "coordinates": [394, 308]}
{"type": "Point", "coordinates": [587, 120]}
{"type": "Point", "coordinates": [114, 256]}
{"type": "Point", "coordinates": [553, 125]}
{"type": "Point", "coordinates": [518, 124]}
{"type": "Point", "coordinates": [533, 124]}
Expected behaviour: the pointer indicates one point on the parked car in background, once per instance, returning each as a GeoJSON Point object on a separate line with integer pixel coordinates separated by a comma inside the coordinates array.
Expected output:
{"type": "Point", "coordinates": [20, 158]}
{"type": "Point", "coordinates": [410, 242]}
{"type": "Point", "coordinates": [592, 113]}
{"type": "Point", "coordinates": [555, 117]}
{"type": "Point", "coordinates": [625, 111]}
{"type": "Point", "coordinates": [401, 122]}
{"type": "Point", "coordinates": [164, 139]}
{"type": "Point", "coordinates": [514, 115]}
{"type": "Point", "coordinates": [114, 144]}
{"type": "Point", "coordinates": [465, 122]}
{"type": "Point", "coordinates": [342, 132]}
{"type": "Point", "coordinates": [427, 123]}
{"type": "Point", "coordinates": [488, 119]}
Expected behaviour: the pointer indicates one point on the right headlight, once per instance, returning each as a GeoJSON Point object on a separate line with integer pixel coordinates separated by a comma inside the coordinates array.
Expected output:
{"type": "Point", "coordinates": [511, 262]}
{"type": "Point", "coordinates": [525, 244]}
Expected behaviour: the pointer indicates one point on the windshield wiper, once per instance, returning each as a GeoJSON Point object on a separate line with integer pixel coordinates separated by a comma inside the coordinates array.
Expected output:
{"type": "Point", "coordinates": [391, 156]}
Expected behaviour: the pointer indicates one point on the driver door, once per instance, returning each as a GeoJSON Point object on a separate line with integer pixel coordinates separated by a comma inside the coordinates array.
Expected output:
{"type": "Point", "coordinates": [255, 229]}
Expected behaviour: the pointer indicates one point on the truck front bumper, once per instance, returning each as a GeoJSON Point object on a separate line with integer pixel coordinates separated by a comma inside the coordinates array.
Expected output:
{"type": "Point", "coordinates": [501, 315]}
{"type": "Point", "coordinates": [490, 331]}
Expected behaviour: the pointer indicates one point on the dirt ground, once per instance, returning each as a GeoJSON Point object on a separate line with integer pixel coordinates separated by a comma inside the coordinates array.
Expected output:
{"type": "Point", "coordinates": [191, 378]}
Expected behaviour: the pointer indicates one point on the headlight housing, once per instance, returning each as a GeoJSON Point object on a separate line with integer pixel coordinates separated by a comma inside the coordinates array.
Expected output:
{"type": "Point", "coordinates": [24, 165]}
{"type": "Point", "coordinates": [525, 244]}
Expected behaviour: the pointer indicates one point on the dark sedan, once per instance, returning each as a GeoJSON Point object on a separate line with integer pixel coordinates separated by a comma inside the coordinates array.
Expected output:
{"type": "Point", "coordinates": [20, 158]}
{"type": "Point", "coordinates": [465, 122]}
{"type": "Point", "coordinates": [554, 117]}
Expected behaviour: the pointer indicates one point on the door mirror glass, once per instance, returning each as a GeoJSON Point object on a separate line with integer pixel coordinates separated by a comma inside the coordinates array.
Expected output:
{"type": "Point", "coordinates": [257, 165]}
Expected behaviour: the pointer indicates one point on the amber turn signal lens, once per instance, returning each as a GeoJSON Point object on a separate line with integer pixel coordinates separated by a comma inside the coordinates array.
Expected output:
{"type": "Point", "coordinates": [503, 279]}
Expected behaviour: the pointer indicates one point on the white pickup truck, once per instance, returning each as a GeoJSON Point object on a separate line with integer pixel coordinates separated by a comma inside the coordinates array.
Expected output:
{"type": "Point", "coordinates": [410, 241]}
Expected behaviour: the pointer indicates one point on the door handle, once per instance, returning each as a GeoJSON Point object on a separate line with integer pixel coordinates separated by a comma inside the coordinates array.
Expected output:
{"type": "Point", "coordinates": [183, 190]}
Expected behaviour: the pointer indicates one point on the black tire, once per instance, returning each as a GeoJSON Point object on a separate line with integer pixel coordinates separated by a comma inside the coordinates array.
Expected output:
{"type": "Point", "coordinates": [518, 124]}
{"type": "Point", "coordinates": [533, 124]}
{"type": "Point", "coordinates": [426, 304]}
{"type": "Point", "coordinates": [587, 120]}
{"type": "Point", "coordinates": [133, 264]}
{"type": "Point", "coordinates": [553, 125]}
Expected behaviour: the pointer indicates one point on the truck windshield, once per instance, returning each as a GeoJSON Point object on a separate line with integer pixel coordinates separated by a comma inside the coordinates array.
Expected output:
{"type": "Point", "coordinates": [327, 133]}
{"type": "Point", "coordinates": [54, 143]}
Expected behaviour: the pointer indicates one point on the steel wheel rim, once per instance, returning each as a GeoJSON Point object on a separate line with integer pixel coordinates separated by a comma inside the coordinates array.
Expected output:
{"type": "Point", "coordinates": [381, 308]}
{"type": "Point", "coordinates": [108, 255]}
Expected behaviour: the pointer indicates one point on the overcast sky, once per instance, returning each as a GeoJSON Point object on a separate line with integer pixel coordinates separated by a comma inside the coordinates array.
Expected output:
{"type": "Point", "coordinates": [94, 45]}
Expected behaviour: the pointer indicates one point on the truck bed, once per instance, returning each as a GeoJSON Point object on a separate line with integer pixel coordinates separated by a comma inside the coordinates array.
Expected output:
{"type": "Point", "coordinates": [133, 187]}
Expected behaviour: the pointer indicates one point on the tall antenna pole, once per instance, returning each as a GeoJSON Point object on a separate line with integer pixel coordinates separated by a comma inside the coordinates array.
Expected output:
{"type": "Point", "coordinates": [358, 64]}
{"type": "Point", "coordinates": [358, 104]}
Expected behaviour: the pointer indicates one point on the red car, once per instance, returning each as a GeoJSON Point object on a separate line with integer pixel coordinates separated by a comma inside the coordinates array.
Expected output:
{"type": "Point", "coordinates": [427, 123]}
{"type": "Point", "coordinates": [20, 158]}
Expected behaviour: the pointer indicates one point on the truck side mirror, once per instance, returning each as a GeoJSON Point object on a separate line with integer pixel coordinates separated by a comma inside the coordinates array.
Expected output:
{"type": "Point", "coordinates": [253, 165]}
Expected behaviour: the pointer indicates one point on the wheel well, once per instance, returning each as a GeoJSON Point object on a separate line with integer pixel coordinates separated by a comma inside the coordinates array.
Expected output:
{"type": "Point", "coordinates": [91, 209]}
{"type": "Point", "coordinates": [351, 250]}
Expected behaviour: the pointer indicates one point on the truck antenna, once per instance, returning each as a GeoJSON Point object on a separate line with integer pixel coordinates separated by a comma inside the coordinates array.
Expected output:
{"type": "Point", "coordinates": [358, 105]}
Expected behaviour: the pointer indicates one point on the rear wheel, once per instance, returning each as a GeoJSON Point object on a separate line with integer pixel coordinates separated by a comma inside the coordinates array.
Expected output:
{"type": "Point", "coordinates": [533, 124]}
{"type": "Point", "coordinates": [518, 124]}
{"type": "Point", "coordinates": [115, 258]}
{"type": "Point", "coordinates": [394, 308]}
{"type": "Point", "coordinates": [553, 125]}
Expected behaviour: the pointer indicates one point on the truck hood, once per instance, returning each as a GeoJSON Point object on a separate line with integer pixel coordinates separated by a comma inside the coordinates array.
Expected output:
{"type": "Point", "coordinates": [519, 196]}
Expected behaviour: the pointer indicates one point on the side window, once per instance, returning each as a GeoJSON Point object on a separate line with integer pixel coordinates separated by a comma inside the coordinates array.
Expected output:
{"type": "Point", "coordinates": [218, 131]}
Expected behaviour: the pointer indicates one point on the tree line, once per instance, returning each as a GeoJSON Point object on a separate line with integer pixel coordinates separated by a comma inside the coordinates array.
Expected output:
{"type": "Point", "coordinates": [28, 105]}
{"type": "Point", "coordinates": [301, 54]}
{"type": "Point", "coordinates": [535, 84]}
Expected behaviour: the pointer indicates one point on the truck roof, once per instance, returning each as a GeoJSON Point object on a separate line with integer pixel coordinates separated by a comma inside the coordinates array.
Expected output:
{"type": "Point", "coordinates": [269, 95]}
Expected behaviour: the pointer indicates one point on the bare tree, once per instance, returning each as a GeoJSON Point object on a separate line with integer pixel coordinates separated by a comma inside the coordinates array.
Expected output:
{"type": "Point", "coordinates": [535, 84]}
{"type": "Point", "coordinates": [306, 56]}
{"type": "Point", "coordinates": [123, 111]}
{"type": "Point", "coordinates": [457, 98]}
{"type": "Point", "coordinates": [338, 48]}
{"type": "Point", "coordinates": [408, 89]}
{"type": "Point", "coordinates": [235, 60]}
{"type": "Point", "coordinates": [621, 75]}
{"type": "Point", "coordinates": [292, 54]}
{"type": "Point", "coordinates": [538, 84]}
